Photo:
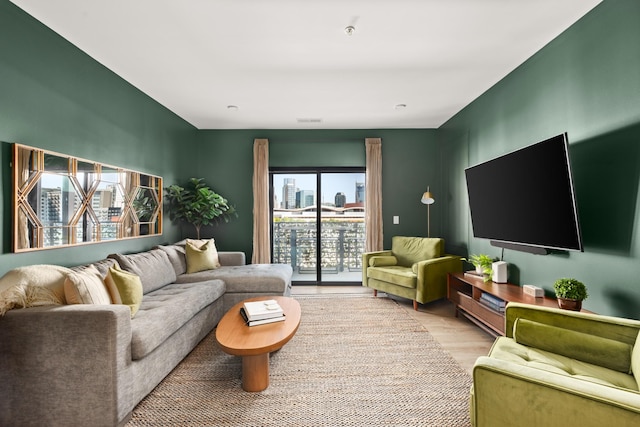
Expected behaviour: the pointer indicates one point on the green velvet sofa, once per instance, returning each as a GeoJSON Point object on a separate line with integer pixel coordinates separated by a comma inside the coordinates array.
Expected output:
{"type": "Point", "coordinates": [559, 368]}
{"type": "Point", "coordinates": [415, 268]}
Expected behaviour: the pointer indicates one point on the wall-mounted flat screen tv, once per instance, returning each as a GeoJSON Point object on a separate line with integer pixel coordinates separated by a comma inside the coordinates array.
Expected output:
{"type": "Point", "coordinates": [525, 199]}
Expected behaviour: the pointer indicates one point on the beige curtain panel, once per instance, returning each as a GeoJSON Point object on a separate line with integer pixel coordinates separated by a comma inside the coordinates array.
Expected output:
{"type": "Point", "coordinates": [261, 238]}
{"type": "Point", "coordinates": [373, 195]}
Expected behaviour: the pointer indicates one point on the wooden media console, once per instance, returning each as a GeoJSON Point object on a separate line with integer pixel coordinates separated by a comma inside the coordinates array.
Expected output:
{"type": "Point", "coordinates": [466, 293]}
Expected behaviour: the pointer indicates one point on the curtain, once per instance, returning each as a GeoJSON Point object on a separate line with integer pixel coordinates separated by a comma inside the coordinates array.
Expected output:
{"type": "Point", "coordinates": [373, 195]}
{"type": "Point", "coordinates": [261, 234]}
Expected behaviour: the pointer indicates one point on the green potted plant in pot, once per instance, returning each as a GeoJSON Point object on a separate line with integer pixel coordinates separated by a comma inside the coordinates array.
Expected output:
{"type": "Point", "coordinates": [197, 204]}
{"type": "Point", "coordinates": [570, 293]}
{"type": "Point", "coordinates": [482, 263]}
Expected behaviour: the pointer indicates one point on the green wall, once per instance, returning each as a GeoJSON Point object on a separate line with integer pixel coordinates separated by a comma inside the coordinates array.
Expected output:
{"type": "Point", "coordinates": [411, 160]}
{"type": "Point", "coordinates": [55, 97]}
{"type": "Point", "coordinates": [585, 82]}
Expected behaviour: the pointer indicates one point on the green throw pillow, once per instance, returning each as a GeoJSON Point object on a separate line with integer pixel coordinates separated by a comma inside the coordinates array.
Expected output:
{"type": "Point", "coordinates": [588, 348]}
{"type": "Point", "coordinates": [382, 260]}
{"type": "Point", "coordinates": [129, 287]}
{"type": "Point", "coordinates": [201, 257]}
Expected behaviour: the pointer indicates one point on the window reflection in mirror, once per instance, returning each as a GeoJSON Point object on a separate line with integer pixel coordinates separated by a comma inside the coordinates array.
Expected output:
{"type": "Point", "coordinates": [60, 200]}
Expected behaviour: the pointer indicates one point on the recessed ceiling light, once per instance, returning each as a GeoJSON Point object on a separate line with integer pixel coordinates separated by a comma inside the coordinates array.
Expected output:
{"type": "Point", "coordinates": [232, 107]}
{"type": "Point", "coordinates": [400, 106]}
{"type": "Point", "coordinates": [350, 30]}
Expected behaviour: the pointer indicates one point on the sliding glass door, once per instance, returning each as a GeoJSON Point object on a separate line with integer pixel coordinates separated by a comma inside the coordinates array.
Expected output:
{"type": "Point", "coordinates": [318, 223]}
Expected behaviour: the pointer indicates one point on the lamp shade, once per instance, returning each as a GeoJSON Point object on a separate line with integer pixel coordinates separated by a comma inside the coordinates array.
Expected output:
{"type": "Point", "coordinates": [427, 198]}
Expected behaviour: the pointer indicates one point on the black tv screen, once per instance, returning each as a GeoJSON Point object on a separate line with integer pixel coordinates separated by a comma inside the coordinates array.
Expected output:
{"type": "Point", "coordinates": [526, 198]}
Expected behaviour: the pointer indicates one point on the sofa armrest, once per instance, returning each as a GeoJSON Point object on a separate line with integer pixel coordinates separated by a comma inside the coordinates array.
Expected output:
{"type": "Point", "coordinates": [64, 363]}
{"type": "Point", "coordinates": [432, 276]}
{"type": "Point", "coordinates": [366, 256]}
{"type": "Point", "coordinates": [615, 328]}
{"type": "Point", "coordinates": [229, 258]}
{"type": "Point", "coordinates": [531, 396]}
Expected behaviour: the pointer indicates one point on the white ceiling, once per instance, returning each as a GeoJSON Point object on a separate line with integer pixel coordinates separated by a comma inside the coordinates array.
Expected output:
{"type": "Point", "coordinates": [280, 61]}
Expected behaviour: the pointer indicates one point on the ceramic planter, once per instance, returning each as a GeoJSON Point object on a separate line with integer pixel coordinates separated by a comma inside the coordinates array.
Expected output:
{"type": "Point", "coordinates": [570, 304]}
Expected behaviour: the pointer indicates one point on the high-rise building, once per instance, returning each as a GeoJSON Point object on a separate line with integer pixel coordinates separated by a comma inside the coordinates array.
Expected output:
{"type": "Point", "coordinates": [305, 198]}
{"type": "Point", "coordinates": [51, 206]}
{"type": "Point", "coordinates": [57, 208]}
{"type": "Point", "coordinates": [359, 192]}
{"type": "Point", "coordinates": [289, 193]}
{"type": "Point", "coordinates": [340, 200]}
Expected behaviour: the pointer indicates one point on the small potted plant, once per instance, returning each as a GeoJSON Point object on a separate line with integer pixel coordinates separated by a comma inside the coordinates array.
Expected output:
{"type": "Point", "coordinates": [482, 263]}
{"type": "Point", "coordinates": [570, 293]}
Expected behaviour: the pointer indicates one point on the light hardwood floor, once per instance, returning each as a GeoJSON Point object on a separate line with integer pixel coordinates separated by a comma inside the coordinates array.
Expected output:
{"type": "Point", "coordinates": [461, 338]}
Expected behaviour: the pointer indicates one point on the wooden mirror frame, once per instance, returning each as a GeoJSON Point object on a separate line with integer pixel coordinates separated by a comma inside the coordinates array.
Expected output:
{"type": "Point", "coordinates": [61, 200]}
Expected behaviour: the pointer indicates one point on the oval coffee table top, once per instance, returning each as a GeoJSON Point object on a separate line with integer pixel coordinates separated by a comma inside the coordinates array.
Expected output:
{"type": "Point", "coordinates": [235, 337]}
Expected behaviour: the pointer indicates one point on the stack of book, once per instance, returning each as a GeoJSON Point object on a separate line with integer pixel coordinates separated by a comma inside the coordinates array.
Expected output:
{"type": "Point", "coordinates": [473, 273]}
{"type": "Point", "coordinates": [493, 302]}
{"type": "Point", "coordinates": [261, 312]}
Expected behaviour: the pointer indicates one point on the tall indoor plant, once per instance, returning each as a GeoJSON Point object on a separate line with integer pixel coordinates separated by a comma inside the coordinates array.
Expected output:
{"type": "Point", "coordinates": [197, 204]}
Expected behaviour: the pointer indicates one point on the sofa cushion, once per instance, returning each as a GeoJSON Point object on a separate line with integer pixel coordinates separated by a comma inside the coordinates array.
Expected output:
{"type": "Point", "coordinates": [396, 274]}
{"type": "Point", "coordinates": [153, 268]}
{"type": "Point", "coordinates": [410, 250]}
{"type": "Point", "coordinates": [86, 287]}
{"type": "Point", "coordinates": [382, 260]}
{"type": "Point", "coordinates": [264, 278]}
{"type": "Point", "coordinates": [129, 287]}
{"type": "Point", "coordinates": [102, 266]}
{"type": "Point", "coordinates": [177, 256]}
{"type": "Point", "coordinates": [508, 350]}
{"type": "Point", "coordinates": [201, 255]}
{"type": "Point", "coordinates": [588, 348]}
{"type": "Point", "coordinates": [112, 288]}
{"type": "Point", "coordinates": [166, 310]}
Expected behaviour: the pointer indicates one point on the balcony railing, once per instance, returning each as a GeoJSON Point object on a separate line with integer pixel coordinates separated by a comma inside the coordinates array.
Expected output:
{"type": "Point", "coordinates": [342, 244]}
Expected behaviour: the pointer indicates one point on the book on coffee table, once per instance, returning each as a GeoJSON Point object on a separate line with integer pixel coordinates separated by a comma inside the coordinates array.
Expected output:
{"type": "Point", "coordinates": [259, 310]}
{"type": "Point", "coordinates": [279, 318]}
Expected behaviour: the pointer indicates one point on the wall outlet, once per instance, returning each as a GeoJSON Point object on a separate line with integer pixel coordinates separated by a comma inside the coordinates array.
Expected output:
{"type": "Point", "coordinates": [396, 219]}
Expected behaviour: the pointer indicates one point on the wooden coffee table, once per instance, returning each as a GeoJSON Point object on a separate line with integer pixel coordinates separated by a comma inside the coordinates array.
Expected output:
{"type": "Point", "coordinates": [254, 343]}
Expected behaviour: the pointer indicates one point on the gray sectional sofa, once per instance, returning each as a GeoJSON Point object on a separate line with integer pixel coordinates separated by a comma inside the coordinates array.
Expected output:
{"type": "Point", "coordinates": [92, 364]}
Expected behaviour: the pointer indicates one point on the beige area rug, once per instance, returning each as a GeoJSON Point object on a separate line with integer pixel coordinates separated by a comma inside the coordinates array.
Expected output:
{"type": "Point", "coordinates": [355, 361]}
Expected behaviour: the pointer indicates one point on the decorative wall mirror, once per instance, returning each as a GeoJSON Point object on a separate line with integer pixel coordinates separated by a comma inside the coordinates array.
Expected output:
{"type": "Point", "coordinates": [61, 200]}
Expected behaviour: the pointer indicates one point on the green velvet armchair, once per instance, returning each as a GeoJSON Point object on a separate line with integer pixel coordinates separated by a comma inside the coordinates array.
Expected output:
{"type": "Point", "coordinates": [559, 368]}
{"type": "Point", "coordinates": [415, 268]}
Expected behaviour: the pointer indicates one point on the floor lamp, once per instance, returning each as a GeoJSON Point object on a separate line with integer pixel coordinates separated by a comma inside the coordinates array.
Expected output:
{"type": "Point", "coordinates": [427, 199]}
